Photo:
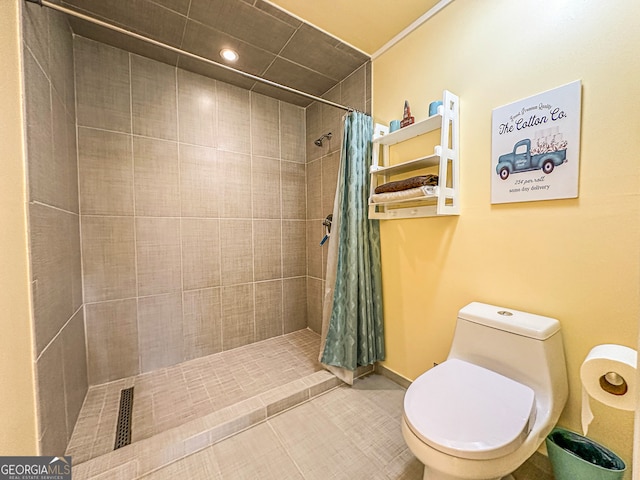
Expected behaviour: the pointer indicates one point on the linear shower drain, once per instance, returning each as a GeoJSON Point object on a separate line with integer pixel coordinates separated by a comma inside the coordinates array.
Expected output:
{"type": "Point", "coordinates": [123, 431]}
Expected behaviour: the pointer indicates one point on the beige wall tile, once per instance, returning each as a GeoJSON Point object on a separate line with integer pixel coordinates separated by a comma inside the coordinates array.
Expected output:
{"type": "Point", "coordinates": [153, 99]}
{"type": "Point", "coordinates": [330, 168]}
{"type": "Point", "coordinates": [236, 250]}
{"type": "Point", "coordinates": [75, 368]}
{"type": "Point", "coordinates": [63, 171]}
{"type": "Point", "coordinates": [39, 135]}
{"type": "Point", "coordinates": [292, 133]}
{"type": "Point", "coordinates": [61, 56]}
{"type": "Point", "coordinates": [55, 261]}
{"type": "Point", "coordinates": [235, 185]}
{"type": "Point", "coordinates": [265, 126]}
{"type": "Point", "coordinates": [103, 86]}
{"type": "Point", "coordinates": [108, 252]}
{"type": "Point", "coordinates": [197, 109]}
{"type": "Point", "coordinates": [158, 255]}
{"type": "Point", "coordinates": [267, 249]}
{"type": "Point", "coordinates": [294, 304]}
{"type": "Point", "coordinates": [353, 91]}
{"type": "Point", "coordinates": [233, 119]}
{"type": "Point", "coordinates": [112, 340]}
{"type": "Point", "coordinates": [74, 259]}
{"type": "Point", "coordinates": [294, 191]}
{"type": "Point", "coordinates": [160, 331]}
{"type": "Point", "coordinates": [209, 177]}
{"type": "Point", "coordinates": [315, 233]}
{"type": "Point", "coordinates": [265, 191]}
{"type": "Point", "coordinates": [294, 248]}
{"type": "Point", "coordinates": [237, 316]}
{"type": "Point", "coordinates": [105, 164]}
{"type": "Point", "coordinates": [314, 304]}
{"type": "Point", "coordinates": [200, 253]}
{"type": "Point", "coordinates": [199, 37]}
{"type": "Point", "coordinates": [35, 24]}
{"type": "Point", "coordinates": [332, 121]}
{"type": "Point", "coordinates": [314, 190]}
{"type": "Point", "coordinates": [322, 175]}
{"type": "Point", "coordinates": [269, 322]}
{"type": "Point", "coordinates": [325, 255]}
{"type": "Point", "coordinates": [53, 176]}
{"type": "Point", "coordinates": [71, 169]}
{"type": "Point", "coordinates": [156, 177]}
{"type": "Point", "coordinates": [313, 130]}
{"type": "Point", "coordinates": [51, 401]}
{"type": "Point", "coordinates": [200, 181]}
{"type": "Point", "coordinates": [202, 323]}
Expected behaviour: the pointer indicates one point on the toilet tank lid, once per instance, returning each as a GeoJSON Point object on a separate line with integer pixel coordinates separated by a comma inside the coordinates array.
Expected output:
{"type": "Point", "coordinates": [510, 320]}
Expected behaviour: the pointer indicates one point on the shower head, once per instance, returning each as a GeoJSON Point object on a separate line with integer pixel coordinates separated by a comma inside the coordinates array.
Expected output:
{"type": "Point", "coordinates": [318, 142]}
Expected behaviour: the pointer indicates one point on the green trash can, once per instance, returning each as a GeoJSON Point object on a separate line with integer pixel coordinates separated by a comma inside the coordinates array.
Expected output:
{"type": "Point", "coordinates": [576, 457]}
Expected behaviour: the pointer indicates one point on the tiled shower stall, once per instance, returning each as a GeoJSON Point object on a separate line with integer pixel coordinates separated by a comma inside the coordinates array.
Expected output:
{"type": "Point", "coordinates": [194, 192]}
{"type": "Point", "coordinates": [171, 215]}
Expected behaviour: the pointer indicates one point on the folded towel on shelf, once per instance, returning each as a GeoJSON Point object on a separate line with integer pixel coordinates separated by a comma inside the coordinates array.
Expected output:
{"type": "Point", "coordinates": [407, 183]}
{"type": "Point", "coordinates": [425, 191]}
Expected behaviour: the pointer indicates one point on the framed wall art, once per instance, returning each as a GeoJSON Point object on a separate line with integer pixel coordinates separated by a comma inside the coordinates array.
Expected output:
{"type": "Point", "coordinates": [535, 147]}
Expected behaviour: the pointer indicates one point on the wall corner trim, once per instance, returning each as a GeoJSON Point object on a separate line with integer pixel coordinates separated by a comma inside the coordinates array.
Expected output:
{"type": "Point", "coordinates": [413, 26]}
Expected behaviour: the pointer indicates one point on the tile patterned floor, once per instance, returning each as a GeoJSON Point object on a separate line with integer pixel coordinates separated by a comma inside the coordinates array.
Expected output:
{"type": "Point", "coordinates": [172, 396]}
{"type": "Point", "coordinates": [348, 433]}
{"type": "Point", "coordinates": [345, 433]}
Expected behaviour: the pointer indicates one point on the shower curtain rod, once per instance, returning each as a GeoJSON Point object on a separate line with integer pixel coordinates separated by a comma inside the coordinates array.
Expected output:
{"type": "Point", "coordinates": [73, 13]}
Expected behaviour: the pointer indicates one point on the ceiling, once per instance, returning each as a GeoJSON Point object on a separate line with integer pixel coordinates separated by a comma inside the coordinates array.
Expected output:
{"type": "Point", "coordinates": [271, 43]}
{"type": "Point", "coordinates": [365, 24]}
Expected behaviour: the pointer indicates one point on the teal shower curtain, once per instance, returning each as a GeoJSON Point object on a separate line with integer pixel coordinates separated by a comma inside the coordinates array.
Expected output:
{"type": "Point", "coordinates": [352, 324]}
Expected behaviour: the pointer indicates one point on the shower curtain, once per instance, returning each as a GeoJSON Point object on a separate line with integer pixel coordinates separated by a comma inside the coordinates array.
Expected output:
{"type": "Point", "coordinates": [352, 326]}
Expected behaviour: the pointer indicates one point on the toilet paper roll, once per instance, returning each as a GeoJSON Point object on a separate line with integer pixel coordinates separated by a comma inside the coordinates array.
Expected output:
{"type": "Point", "coordinates": [608, 374]}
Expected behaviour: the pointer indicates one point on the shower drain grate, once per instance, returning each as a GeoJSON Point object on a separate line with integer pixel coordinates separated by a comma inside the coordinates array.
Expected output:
{"type": "Point", "coordinates": [123, 431]}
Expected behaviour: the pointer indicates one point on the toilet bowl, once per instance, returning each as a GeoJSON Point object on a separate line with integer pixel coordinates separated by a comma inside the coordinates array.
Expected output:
{"type": "Point", "coordinates": [480, 414]}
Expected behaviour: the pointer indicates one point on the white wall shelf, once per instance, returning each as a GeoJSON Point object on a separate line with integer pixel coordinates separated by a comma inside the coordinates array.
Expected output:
{"type": "Point", "coordinates": [408, 166]}
{"type": "Point", "coordinates": [445, 199]}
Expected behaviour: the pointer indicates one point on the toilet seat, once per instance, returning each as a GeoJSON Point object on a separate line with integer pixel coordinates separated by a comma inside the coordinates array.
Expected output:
{"type": "Point", "coordinates": [467, 411]}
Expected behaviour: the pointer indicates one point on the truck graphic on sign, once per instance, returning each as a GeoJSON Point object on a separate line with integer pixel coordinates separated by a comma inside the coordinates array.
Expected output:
{"type": "Point", "coordinates": [524, 158]}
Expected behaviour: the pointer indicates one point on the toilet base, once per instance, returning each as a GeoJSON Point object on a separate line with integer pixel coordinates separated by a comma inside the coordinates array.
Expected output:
{"type": "Point", "coordinates": [430, 474]}
{"type": "Point", "coordinates": [435, 462]}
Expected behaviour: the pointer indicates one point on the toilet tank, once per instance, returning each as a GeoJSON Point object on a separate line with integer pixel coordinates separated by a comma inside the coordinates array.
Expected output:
{"type": "Point", "coordinates": [522, 346]}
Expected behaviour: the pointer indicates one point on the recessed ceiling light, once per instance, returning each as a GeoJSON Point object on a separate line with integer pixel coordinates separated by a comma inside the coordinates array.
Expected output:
{"type": "Point", "coordinates": [229, 55]}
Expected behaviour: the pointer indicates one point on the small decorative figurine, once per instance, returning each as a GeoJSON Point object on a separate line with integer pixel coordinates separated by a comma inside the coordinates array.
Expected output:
{"type": "Point", "coordinates": [407, 119]}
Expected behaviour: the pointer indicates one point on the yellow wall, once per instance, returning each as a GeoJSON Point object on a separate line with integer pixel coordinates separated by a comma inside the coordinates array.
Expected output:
{"type": "Point", "coordinates": [576, 260]}
{"type": "Point", "coordinates": [17, 397]}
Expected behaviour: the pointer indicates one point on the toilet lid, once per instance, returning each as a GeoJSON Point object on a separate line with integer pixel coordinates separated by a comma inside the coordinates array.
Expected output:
{"type": "Point", "coordinates": [468, 411]}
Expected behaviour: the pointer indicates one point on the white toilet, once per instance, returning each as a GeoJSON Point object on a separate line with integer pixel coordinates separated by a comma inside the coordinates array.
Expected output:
{"type": "Point", "coordinates": [485, 410]}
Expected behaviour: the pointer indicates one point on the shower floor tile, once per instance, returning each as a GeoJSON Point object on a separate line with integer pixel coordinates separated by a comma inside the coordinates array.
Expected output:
{"type": "Point", "coordinates": [172, 396]}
